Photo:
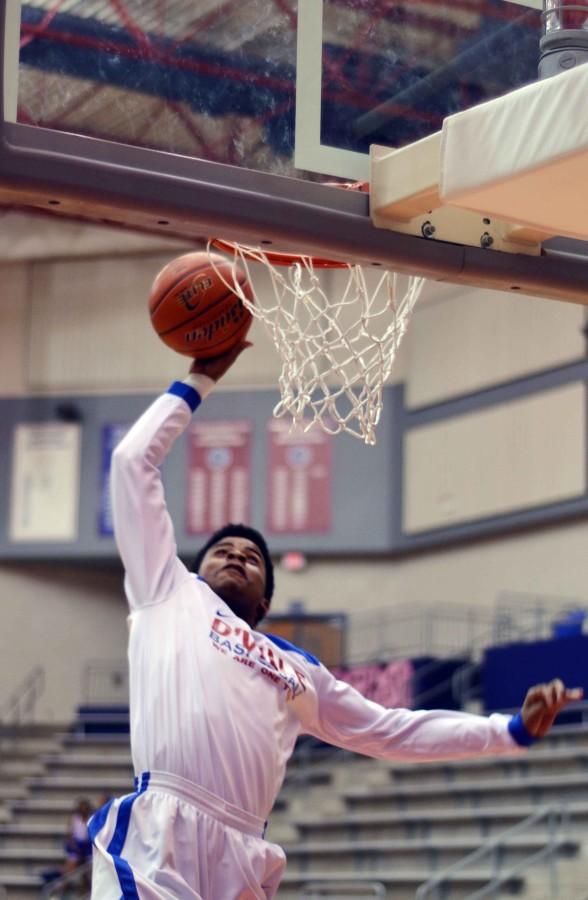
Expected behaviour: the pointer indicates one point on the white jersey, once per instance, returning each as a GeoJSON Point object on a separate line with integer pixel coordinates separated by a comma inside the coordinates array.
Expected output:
{"type": "Point", "coordinates": [217, 703]}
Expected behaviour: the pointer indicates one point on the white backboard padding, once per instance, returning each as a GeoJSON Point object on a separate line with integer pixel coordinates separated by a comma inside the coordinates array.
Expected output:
{"type": "Point", "coordinates": [523, 157]}
{"type": "Point", "coordinates": [529, 452]}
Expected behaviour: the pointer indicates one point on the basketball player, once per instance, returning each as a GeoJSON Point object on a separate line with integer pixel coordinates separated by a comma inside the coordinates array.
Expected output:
{"type": "Point", "coordinates": [216, 706]}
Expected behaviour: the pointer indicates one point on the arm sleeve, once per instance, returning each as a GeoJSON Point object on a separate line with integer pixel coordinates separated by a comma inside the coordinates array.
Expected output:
{"type": "Point", "coordinates": [346, 719]}
{"type": "Point", "coordinates": [142, 525]}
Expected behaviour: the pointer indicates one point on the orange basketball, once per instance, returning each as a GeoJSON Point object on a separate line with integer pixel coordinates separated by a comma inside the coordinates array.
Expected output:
{"type": "Point", "coordinates": [194, 311]}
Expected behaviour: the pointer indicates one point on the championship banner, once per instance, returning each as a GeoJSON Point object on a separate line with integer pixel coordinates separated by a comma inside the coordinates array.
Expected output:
{"type": "Point", "coordinates": [299, 488]}
{"type": "Point", "coordinates": [45, 482]}
{"type": "Point", "coordinates": [112, 434]}
{"type": "Point", "coordinates": [219, 475]}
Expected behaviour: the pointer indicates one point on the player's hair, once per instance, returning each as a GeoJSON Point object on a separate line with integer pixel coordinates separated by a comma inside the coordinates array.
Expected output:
{"type": "Point", "coordinates": [251, 534]}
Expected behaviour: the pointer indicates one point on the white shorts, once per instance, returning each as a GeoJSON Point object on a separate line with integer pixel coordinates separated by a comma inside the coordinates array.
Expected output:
{"type": "Point", "coordinates": [173, 840]}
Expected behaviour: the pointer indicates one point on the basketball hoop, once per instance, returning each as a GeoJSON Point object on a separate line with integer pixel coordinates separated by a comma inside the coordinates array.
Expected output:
{"type": "Point", "coordinates": [337, 347]}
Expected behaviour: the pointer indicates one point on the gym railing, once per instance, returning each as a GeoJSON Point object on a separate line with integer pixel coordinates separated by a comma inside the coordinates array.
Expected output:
{"type": "Point", "coordinates": [337, 890]}
{"type": "Point", "coordinates": [20, 707]}
{"type": "Point", "coordinates": [105, 681]}
{"type": "Point", "coordinates": [557, 820]}
{"type": "Point", "coordinates": [74, 884]}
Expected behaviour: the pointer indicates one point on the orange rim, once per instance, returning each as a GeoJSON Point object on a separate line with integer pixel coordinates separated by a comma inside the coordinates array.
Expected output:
{"type": "Point", "coordinates": [275, 257]}
{"type": "Point", "coordinates": [278, 258]}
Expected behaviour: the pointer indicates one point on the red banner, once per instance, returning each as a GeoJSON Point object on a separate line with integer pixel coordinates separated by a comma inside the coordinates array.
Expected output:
{"type": "Point", "coordinates": [299, 487]}
{"type": "Point", "coordinates": [219, 475]}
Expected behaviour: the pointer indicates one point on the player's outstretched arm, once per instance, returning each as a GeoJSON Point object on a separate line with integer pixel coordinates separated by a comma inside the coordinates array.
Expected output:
{"type": "Point", "coordinates": [543, 703]}
{"type": "Point", "coordinates": [342, 716]}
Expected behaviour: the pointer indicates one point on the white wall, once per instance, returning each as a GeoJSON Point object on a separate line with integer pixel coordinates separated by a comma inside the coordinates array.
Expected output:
{"type": "Point", "coordinates": [550, 563]}
{"type": "Point", "coordinates": [462, 340]}
{"type": "Point", "coordinates": [58, 618]}
{"type": "Point", "coordinates": [25, 237]}
{"type": "Point", "coordinates": [521, 454]}
{"type": "Point", "coordinates": [82, 325]}
{"type": "Point", "coordinates": [14, 310]}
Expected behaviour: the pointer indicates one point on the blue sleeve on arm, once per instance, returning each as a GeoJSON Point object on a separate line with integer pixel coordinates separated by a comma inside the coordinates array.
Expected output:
{"type": "Point", "coordinates": [187, 393]}
{"type": "Point", "coordinates": [519, 733]}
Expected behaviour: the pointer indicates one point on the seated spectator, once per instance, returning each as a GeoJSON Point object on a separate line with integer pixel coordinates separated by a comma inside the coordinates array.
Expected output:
{"type": "Point", "coordinates": [78, 846]}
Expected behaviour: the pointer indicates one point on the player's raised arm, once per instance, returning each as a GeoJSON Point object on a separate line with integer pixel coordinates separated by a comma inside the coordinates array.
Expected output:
{"type": "Point", "coordinates": [142, 525]}
{"type": "Point", "coordinates": [345, 718]}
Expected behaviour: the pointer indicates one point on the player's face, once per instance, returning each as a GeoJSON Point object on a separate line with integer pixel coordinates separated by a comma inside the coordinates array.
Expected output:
{"type": "Point", "coordinates": [235, 570]}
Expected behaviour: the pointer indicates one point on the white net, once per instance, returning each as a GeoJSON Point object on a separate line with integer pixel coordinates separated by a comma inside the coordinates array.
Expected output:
{"type": "Point", "coordinates": [337, 348]}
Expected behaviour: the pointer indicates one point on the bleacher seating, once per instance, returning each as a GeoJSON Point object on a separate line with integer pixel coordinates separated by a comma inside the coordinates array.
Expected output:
{"type": "Point", "coordinates": [398, 824]}
{"type": "Point", "coordinates": [341, 819]}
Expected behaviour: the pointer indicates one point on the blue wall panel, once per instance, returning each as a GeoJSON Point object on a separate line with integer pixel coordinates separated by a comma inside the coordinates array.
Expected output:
{"type": "Point", "coordinates": [509, 671]}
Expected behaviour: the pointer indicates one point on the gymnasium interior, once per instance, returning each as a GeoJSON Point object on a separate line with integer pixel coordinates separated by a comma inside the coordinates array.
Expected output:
{"type": "Point", "coordinates": [444, 566]}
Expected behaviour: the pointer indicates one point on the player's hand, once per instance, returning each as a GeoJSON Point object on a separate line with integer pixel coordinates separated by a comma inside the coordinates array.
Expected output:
{"type": "Point", "coordinates": [542, 704]}
{"type": "Point", "coordinates": [216, 367]}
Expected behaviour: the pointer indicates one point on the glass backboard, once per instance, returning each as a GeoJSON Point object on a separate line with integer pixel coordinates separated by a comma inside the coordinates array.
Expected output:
{"type": "Point", "coordinates": [222, 117]}
{"type": "Point", "coordinates": [270, 85]}
{"type": "Point", "coordinates": [213, 80]}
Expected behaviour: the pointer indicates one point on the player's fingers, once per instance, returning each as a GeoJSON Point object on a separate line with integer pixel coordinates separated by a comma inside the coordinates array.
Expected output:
{"type": "Point", "coordinates": [574, 694]}
{"type": "Point", "coordinates": [535, 694]}
{"type": "Point", "coordinates": [570, 695]}
{"type": "Point", "coordinates": [544, 702]}
{"type": "Point", "coordinates": [546, 724]}
{"type": "Point", "coordinates": [228, 355]}
{"type": "Point", "coordinates": [225, 360]}
{"type": "Point", "coordinates": [563, 699]}
{"type": "Point", "coordinates": [545, 695]}
{"type": "Point", "coordinates": [563, 696]}
{"type": "Point", "coordinates": [238, 350]}
{"type": "Point", "coordinates": [556, 690]}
